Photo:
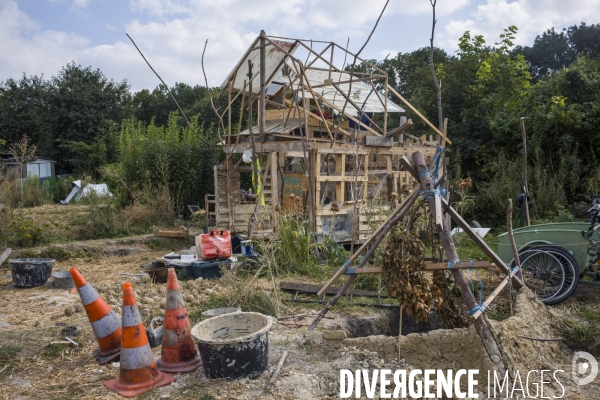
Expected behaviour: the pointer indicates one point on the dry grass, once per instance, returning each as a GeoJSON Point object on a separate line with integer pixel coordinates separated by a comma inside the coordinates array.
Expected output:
{"type": "Point", "coordinates": [32, 365]}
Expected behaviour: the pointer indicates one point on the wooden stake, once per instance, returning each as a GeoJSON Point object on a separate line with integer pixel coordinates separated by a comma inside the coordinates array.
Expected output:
{"type": "Point", "coordinates": [513, 245]}
{"type": "Point", "coordinates": [276, 372]}
{"type": "Point", "coordinates": [5, 255]}
{"type": "Point", "coordinates": [399, 333]}
{"type": "Point", "coordinates": [331, 302]}
{"type": "Point", "coordinates": [524, 134]}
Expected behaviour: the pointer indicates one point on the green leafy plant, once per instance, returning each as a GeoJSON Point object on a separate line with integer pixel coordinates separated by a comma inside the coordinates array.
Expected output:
{"type": "Point", "coordinates": [25, 232]}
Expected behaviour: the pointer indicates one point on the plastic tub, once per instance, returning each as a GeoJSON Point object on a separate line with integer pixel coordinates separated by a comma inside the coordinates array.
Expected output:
{"type": "Point", "coordinates": [63, 280]}
{"type": "Point", "coordinates": [158, 275]}
{"type": "Point", "coordinates": [234, 345]}
{"type": "Point", "coordinates": [30, 272]}
{"type": "Point", "coordinates": [208, 269]}
{"type": "Point", "coordinates": [215, 312]}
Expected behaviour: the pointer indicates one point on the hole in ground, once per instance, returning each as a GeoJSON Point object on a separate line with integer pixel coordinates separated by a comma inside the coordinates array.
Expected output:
{"type": "Point", "coordinates": [388, 324]}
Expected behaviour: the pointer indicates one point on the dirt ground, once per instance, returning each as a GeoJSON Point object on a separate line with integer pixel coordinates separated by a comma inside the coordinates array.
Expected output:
{"type": "Point", "coordinates": [36, 362]}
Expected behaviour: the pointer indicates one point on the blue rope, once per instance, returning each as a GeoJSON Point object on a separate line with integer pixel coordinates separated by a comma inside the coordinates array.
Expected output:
{"type": "Point", "coordinates": [430, 194]}
{"type": "Point", "coordinates": [480, 306]}
{"type": "Point", "coordinates": [452, 264]}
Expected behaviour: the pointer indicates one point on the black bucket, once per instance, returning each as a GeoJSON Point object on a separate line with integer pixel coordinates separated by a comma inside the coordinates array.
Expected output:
{"type": "Point", "coordinates": [30, 272]}
{"type": "Point", "coordinates": [234, 345]}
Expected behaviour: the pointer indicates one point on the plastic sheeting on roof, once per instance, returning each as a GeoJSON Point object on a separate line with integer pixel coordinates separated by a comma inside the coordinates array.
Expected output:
{"type": "Point", "coordinates": [274, 58]}
{"type": "Point", "coordinates": [362, 93]}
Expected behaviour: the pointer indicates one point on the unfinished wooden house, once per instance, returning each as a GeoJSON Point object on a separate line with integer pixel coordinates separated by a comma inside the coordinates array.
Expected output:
{"type": "Point", "coordinates": [322, 145]}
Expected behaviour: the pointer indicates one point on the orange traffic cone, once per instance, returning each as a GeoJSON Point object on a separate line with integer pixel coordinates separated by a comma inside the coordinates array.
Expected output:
{"type": "Point", "coordinates": [105, 323]}
{"type": "Point", "coordinates": [179, 351]}
{"type": "Point", "coordinates": [138, 372]}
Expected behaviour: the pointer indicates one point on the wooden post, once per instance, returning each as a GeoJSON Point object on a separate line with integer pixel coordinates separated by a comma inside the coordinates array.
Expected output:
{"type": "Point", "coordinates": [262, 93]}
{"type": "Point", "coordinates": [399, 332]}
{"type": "Point", "coordinates": [274, 184]}
{"type": "Point", "coordinates": [446, 238]}
{"type": "Point", "coordinates": [229, 162]}
{"type": "Point", "coordinates": [524, 134]}
{"type": "Point", "coordinates": [513, 245]}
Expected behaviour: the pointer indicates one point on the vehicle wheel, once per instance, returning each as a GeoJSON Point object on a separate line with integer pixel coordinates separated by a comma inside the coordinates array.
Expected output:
{"type": "Point", "coordinates": [544, 266]}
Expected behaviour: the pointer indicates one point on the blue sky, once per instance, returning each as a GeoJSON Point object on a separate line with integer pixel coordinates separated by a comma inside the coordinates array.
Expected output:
{"type": "Point", "coordinates": [40, 36]}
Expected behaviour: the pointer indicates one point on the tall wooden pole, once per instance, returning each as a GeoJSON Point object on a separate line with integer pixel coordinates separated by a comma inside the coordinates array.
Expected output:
{"type": "Point", "coordinates": [446, 237]}
{"type": "Point", "coordinates": [262, 94]}
{"type": "Point", "coordinates": [524, 134]}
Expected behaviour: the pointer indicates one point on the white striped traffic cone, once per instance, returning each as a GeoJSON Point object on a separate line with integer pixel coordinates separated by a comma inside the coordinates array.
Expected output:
{"type": "Point", "coordinates": [138, 372]}
{"type": "Point", "coordinates": [105, 323]}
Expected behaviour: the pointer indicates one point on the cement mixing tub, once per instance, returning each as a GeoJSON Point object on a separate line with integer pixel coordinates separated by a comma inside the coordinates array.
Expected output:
{"type": "Point", "coordinates": [215, 312]}
{"type": "Point", "coordinates": [234, 345]}
{"type": "Point", "coordinates": [30, 272]}
{"type": "Point", "coordinates": [63, 280]}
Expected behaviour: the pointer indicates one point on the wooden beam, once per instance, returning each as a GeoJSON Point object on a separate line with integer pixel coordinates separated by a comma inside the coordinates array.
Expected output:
{"type": "Point", "coordinates": [426, 267]}
{"type": "Point", "coordinates": [410, 106]}
{"type": "Point", "coordinates": [400, 129]}
{"type": "Point", "coordinates": [480, 242]}
{"type": "Point", "coordinates": [492, 296]}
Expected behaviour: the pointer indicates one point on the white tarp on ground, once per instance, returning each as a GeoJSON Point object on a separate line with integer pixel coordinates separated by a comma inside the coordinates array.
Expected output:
{"type": "Point", "coordinates": [100, 189]}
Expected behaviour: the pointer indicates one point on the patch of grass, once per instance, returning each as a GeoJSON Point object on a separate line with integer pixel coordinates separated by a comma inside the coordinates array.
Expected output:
{"type": "Point", "coordinates": [468, 250]}
{"type": "Point", "coordinates": [582, 335]}
{"type": "Point", "coordinates": [58, 253]}
{"type": "Point", "coordinates": [500, 312]}
{"type": "Point", "coordinates": [159, 244]}
{"type": "Point", "coordinates": [28, 254]}
{"type": "Point", "coordinates": [590, 314]}
{"type": "Point", "coordinates": [53, 350]}
{"type": "Point", "coordinates": [8, 356]}
{"type": "Point", "coordinates": [193, 393]}
{"type": "Point", "coordinates": [214, 302]}
{"type": "Point", "coordinates": [78, 222]}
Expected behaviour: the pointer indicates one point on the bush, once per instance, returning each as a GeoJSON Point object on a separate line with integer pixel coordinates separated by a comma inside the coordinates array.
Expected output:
{"type": "Point", "coordinates": [491, 199]}
{"type": "Point", "coordinates": [154, 156]}
{"type": "Point", "coordinates": [24, 193]}
{"type": "Point", "coordinates": [292, 247]}
{"type": "Point", "coordinates": [150, 208]}
{"type": "Point", "coordinates": [25, 232]}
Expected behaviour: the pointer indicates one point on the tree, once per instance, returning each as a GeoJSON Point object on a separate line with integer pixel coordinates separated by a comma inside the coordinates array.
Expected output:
{"type": "Point", "coordinates": [84, 107]}
{"type": "Point", "coordinates": [550, 52]}
{"type": "Point", "coordinates": [23, 112]}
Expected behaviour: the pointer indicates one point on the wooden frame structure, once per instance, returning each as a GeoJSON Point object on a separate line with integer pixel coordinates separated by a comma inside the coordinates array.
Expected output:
{"type": "Point", "coordinates": [322, 136]}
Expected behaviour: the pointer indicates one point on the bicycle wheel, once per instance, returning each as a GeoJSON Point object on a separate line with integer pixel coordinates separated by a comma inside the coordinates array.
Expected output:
{"type": "Point", "coordinates": [543, 273]}
{"type": "Point", "coordinates": [536, 272]}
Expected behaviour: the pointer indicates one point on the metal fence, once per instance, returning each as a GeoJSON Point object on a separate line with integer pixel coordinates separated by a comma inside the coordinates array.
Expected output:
{"type": "Point", "coordinates": [50, 179]}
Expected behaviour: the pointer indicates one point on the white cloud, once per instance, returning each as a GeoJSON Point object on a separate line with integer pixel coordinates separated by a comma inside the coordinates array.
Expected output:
{"type": "Point", "coordinates": [81, 3]}
{"type": "Point", "coordinates": [171, 33]}
{"type": "Point", "coordinates": [31, 50]}
{"type": "Point", "coordinates": [532, 17]}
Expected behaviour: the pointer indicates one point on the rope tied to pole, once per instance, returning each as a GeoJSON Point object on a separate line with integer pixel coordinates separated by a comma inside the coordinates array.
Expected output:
{"type": "Point", "coordinates": [438, 191]}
